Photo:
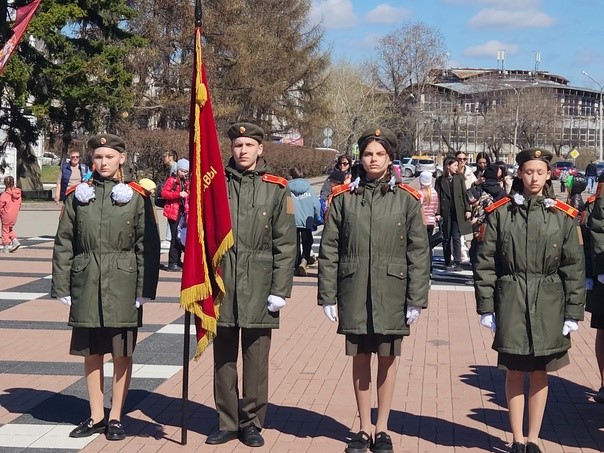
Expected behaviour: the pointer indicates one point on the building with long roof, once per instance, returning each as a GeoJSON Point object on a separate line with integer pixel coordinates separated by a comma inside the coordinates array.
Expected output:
{"type": "Point", "coordinates": [503, 111]}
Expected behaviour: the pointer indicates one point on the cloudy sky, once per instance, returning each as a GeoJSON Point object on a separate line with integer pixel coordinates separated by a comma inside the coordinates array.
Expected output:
{"type": "Point", "coordinates": [568, 34]}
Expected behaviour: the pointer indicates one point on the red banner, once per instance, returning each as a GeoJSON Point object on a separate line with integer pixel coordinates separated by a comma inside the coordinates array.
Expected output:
{"type": "Point", "coordinates": [24, 15]}
{"type": "Point", "coordinates": [209, 233]}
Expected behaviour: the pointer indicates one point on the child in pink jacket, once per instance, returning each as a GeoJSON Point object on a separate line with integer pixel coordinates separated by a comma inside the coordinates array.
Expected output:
{"type": "Point", "coordinates": [10, 203]}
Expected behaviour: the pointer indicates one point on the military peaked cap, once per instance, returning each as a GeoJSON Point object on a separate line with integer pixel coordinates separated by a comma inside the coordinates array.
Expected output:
{"type": "Point", "coordinates": [246, 130]}
{"type": "Point", "coordinates": [534, 154]}
{"type": "Point", "coordinates": [107, 141]}
{"type": "Point", "coordinates": [378, 132]}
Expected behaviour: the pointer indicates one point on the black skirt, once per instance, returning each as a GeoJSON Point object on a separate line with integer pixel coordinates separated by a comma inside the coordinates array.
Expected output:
{"type": "Point", "coordinates": [528, 363]}
{"type": "Point", "coordinates": [119, 342]}
{"type": "Point", "coordinates": [382, 345]}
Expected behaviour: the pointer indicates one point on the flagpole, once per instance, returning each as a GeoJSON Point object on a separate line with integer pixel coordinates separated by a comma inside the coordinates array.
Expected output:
{"type": "Point", "coordinates": [187, 332]}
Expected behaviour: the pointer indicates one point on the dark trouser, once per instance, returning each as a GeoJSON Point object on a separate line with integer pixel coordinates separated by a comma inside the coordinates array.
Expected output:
{"type": "Point", "coordinates": [455, 237]}
{"type": "Point", "coordinates": [430, 232]}
{"type": "Point", "coordinates": [255, 347]}
{"type": "Point", "coordinates": [473, 252]}
{"type": "Point", "coordinates": [175, 245]}
{"type": "Point", "coordinates": [304, 240]}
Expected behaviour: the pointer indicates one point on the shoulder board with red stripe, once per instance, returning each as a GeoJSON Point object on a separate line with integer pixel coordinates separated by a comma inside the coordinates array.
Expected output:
{"type": "Point", "coordinates": [274, 179]}
{"type": "Point", "coordinates": [140, 189]}
{"type": "Point", "coordinates": [341, 188]}
{"type": "Point", "coordinates": [70, 190]}
{"type": "Point", "coordinates": [410, 189]}
{"type": "Point", "coordinates": [566, 208]}
{"type": "Point", "coordinates": [497, 204]}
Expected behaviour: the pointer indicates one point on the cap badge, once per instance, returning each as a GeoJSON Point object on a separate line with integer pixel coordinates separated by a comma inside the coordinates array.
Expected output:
{"type": "Point", "coordinates": [537, 153]}
{"type": "Point", "coordinates": [378, 132]}
{"type": "Point", "coordinates": [103, 140]}
{"type": "Point", "coordinates": [242, 130]}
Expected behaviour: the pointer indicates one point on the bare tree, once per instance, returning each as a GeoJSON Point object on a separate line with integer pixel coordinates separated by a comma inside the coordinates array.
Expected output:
{"type": "Point", "coordinates": [355, 102]}
{"type": "Point", "coordinates": [404, 60]}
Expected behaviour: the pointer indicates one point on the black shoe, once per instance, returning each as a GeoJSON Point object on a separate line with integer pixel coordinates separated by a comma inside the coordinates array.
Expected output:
{"type": "Point", "coordinates": [382, 443]}
{"type": "Point", "coordinates": [452, 268]}
{"type": "Point", "coordinates": [532, 448]}
{"type": "Point", "coordinates": [599, 397]}
{"type": "Point", "coordinates": [251, 437]}
{"type": "Point", "coordinates": [220, 437]}
{"type": "Point", "coordinates": [88, 428]}
{"type": "Point", "coordinates": [115, 431]}
{"type": "Point", "coordinates": [517, 447]}
{"type": "Point", "coordinates": [170, 268]}
{"type": "Point", "coordinates": [359, 443]}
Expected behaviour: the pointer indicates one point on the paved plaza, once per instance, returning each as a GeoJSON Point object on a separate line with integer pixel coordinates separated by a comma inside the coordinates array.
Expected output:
{"type": "Point", "coordinates": [449, 395]}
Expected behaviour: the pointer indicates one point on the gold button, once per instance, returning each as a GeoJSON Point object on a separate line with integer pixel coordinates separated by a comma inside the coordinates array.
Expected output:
{"type": "Point", "coordinates": [130, 235]}
{"type": "Point", "coordinates": [127, 222]}
{"type": "Point", "coordinates": [398, 224]}
{"type": "Point", "coordinates": [402, 237]}
{"type": "Point", "coordinates": [264, 213]}
{"type": "Point", "coordinates": [266, 227]}
{"type": "Point", "coordinates": [130, 268]}
{"type": "Point", "coordinates": [555, 245]}
{"type": "Point", "coordinates": [401, 274]}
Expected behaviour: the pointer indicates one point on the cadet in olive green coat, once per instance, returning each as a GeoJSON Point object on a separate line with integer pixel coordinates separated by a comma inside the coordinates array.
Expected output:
{"type": "Point", "coordinates": [593, 223]}
{"type": "Point", "coordinates": [258, 275]}
{"type": "Point", "coordinates": [374, 274]}
{"type": "Point", "coordinates": [105, 266]}
{"type": "Point", "coordinates": [530, 289]}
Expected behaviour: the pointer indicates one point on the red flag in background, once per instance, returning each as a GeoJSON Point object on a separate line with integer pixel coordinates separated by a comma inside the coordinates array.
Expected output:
{"type": "Point", "coordinates": [209, 233]}
{"type": "Point", "coordinates": [24, 15]}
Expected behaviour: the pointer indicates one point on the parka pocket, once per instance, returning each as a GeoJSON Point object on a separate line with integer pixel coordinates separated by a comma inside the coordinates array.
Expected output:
{"type": "Point", "coordinates": [79, 278]}
{"type": "Point", "coordinates": [397, 270]}
{"type": "Point", "coordinates": [346, 287]}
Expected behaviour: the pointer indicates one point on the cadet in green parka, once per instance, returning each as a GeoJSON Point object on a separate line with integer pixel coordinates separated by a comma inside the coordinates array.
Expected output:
{"type": "Point", "coordinates": [374, 275]}
{"type": "Point", "coordinates": [258, 276]}
{"type": "Point", "coordinates": [593, 228]}
{"type": "Point", "coordinates": [530, 289]}
{"type": "Point", "coordinates": [105, 266]}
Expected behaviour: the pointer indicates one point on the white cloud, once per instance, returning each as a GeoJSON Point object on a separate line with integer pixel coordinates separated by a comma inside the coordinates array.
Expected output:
{"type": "Point", "coordinates": [503, 18]}
{"type": "Point", "coordinates": [333, 13]}
{"type": "Point", "coordinates": [490, 48]}
{"type": "Point", "coordinates": [387, 14]}
{"type": "Point", "coordinates": [371, 39]}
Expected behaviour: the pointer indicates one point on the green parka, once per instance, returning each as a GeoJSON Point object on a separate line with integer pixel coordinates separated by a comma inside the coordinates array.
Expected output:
{"type": "Point", "coordinates": [530, 272]}
{"type": "Point", "coordinates": [374, 259]}
{"type": "Point", "coordinates": [105, 256]}
{"type": "Point", "coordinates": [593, 223]}
{"type": "Point", "coordinates": [261, 262]}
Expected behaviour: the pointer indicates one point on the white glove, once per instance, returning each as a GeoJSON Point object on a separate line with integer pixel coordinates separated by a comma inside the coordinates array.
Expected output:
{"type": "Point", "coordinates": [275, 303]}
{"type": "Point", "coordinates": [331, 312]}
{"type": "Point", "coordinates": [601, 278]}
{"type": "Point", "coordinates": [569, 326]}
{"type": "Point", "coordinates": [589, 284]}
{"type": "Point", "coordinates": [141, 301]}
{"type": "Point", "coordinates": [488, 320]}
{"type": "Point", "coordinates": [413, 312]}
{"type": "Point", "coordinates": [66, 300]}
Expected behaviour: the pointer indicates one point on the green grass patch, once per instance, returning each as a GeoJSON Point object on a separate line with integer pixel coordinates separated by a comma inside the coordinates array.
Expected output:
{"type": "Point", "coordinates": [49, 173]}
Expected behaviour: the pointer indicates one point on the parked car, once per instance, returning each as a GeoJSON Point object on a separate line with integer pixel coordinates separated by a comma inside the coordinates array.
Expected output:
{"type": "Point", "coordinates": [50, 159]}
{"type": "Point", "coordinates": [414, 165]}
{"type": "Point", "coordinates": [558, 167]}
{"type": "Point", "coordinates": [600, 167]}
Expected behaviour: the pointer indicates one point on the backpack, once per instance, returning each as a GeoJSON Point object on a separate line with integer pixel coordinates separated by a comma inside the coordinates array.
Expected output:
{"type": "Point", "coordinates": [159, 201]}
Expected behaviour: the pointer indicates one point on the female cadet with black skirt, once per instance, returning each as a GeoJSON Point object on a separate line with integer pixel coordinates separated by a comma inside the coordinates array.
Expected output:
{"type": "Point", "coordinates": [530, 289]}
{"type": "Point", "coordinates": [105, 266]}
{"type": "Point", "coordinates": [374, 272]}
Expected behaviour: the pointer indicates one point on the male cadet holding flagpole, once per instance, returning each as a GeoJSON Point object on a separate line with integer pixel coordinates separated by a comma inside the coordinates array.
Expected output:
{"type": "Point", "coordinates": [258, 275]}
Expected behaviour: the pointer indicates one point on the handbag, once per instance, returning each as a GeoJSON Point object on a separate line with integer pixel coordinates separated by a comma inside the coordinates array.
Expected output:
{"type": "Point", "coordinates": [181, 230]}
{"type": "Point", "coordinates": [437, 236]}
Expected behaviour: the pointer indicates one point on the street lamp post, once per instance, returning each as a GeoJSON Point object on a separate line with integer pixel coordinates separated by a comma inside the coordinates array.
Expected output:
{"type": "Point", "coordinates": [600, 122]}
